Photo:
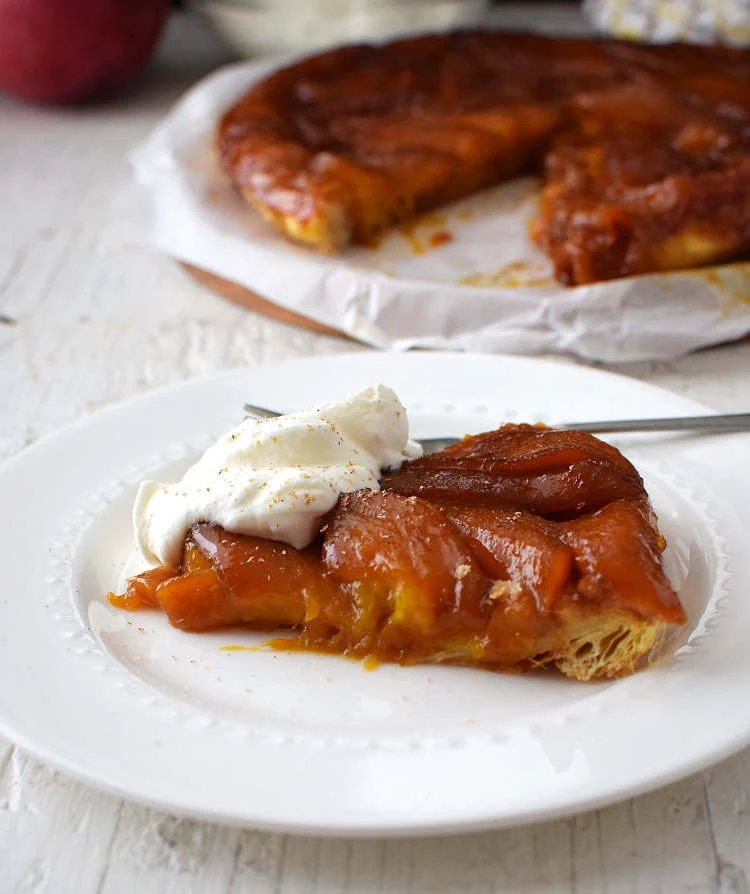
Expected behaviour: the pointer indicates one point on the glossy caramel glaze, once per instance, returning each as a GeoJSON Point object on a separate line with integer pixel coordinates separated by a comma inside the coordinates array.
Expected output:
{"type": "Point", "coordinates": [548, 472]}
{"type": "Point", "coordinates": [448, 573]}
{"type": "Point", "coordinates": [645, 151]}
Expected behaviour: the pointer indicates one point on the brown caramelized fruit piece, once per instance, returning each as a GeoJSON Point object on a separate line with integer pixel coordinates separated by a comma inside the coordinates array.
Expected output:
{"type": "Point", "coordinates": [419, 592]}
{"type": "Point", "coordinates": [618, 558]}
{"type": "Point", "coordinates": [415, 585]}
{"type": "Point", "coordinates": [520, 547]}
{"type": "Point", "coordinates": [192, 598]}
{"type": "Point", "coordinates": [228, 579]}
{"type": "Point", "coordinates": [140, 591]}
{"type": "Point", "coordinates": [522, 467]}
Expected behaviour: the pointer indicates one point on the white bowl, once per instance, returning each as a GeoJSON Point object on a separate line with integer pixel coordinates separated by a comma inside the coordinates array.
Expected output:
{"type": "Point", "coordinates": [292, 26]}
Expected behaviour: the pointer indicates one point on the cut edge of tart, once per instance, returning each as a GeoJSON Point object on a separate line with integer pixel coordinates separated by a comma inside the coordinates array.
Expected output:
{"type": "Point", "coordinates": [611, 649]}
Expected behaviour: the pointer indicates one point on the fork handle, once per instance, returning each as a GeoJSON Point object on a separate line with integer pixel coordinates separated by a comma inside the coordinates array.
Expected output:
{"type": "Point", "coordinates": [717, 422]}
{"type": "Point", "coordinates": [722, 422]}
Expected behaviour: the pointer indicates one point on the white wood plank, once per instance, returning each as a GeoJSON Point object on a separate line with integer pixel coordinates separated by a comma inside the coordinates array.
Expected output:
{"type": "Point", "coordinates": [659, 843]}
{"type": "Point", "coordinates": [489, 862]}
{"type": "Point", "coordinates": [156, 853]}
{"type": "Point", "coordinates": [728, 803]}
{"type": "Point", "coordinates": [587, 870]}
{"type": "Point", "coordinates": [258, 864]}
{"type": "Point", "coordinates": [334, 869]}
{"type": "Point", "coordinates": [535, 858]}
{"type": "Point", "coordinates": [299, 865]}
{"type": "Point", "coordinates": [365, 866]}
{"type": "Point", "coordinates": [399, 858]}
{"type": "Point", "coordinates": [54, 833]}
{"type": "Point", "coordinates": [714, 377]}
{"type": "Point", "coordinates": [618, 851]}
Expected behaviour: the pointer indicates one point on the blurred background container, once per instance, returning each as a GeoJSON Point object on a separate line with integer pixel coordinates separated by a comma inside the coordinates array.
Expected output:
{"type": "Point", "coordinates": [262, 27]}
{"type": "Point", "coordinates": [664, 21]}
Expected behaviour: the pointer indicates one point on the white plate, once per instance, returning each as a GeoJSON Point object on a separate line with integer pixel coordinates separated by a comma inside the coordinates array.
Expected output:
{"type": "Point", "coordinates": [318, 744]}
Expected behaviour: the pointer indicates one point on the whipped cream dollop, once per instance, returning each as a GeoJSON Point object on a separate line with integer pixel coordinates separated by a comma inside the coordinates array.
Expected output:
{"type": "Point", "coordinates": [278, 477]}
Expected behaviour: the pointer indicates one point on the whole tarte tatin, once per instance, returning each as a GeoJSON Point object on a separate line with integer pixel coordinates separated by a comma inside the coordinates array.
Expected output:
{"type": "Point", "coordinates": [644, 151]}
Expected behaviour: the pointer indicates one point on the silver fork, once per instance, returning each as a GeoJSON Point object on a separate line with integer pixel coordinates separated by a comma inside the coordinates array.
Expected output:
{"type": "Point", "coordinates": [725, 422]}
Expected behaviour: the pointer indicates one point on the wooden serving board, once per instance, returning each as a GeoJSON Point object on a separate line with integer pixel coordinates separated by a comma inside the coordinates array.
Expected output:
{"type": "Point", "coordinates": [241, 295]}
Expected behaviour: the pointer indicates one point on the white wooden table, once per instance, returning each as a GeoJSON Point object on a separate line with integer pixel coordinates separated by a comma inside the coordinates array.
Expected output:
{"type": "Point", "coordinates": [89, 315]}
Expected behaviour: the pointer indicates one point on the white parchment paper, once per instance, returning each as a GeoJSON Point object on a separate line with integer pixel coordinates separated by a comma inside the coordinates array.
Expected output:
{"type": "Point", "coordinates": [464, 278]}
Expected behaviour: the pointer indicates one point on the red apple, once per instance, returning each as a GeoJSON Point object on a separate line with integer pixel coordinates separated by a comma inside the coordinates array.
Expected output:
{"type": "Point", "coordinates": [63, 51]}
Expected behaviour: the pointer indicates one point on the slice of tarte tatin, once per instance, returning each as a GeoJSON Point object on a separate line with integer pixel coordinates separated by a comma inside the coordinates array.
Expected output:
{"type": "Point", "coordinates": [520, 548]}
